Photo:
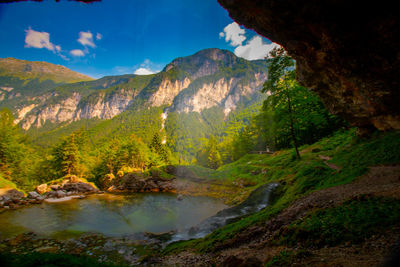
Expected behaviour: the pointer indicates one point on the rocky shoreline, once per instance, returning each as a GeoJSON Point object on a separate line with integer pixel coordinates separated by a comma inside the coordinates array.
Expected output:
{"type": "Point", "coordinates": [14, 199]}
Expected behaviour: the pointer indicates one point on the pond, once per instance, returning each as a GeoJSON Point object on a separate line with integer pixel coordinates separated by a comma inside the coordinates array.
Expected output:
{"type": "Point", "coordinates": [111, 215]}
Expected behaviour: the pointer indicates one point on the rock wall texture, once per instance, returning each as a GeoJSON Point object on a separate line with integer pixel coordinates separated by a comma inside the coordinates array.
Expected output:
{"type": "Point", "coordinates": [346, 51]}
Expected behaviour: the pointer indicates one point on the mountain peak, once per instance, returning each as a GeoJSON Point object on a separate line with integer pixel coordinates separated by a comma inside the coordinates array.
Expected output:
{"type": "Point", "coordinates": [215, 54]}
{"type": "Point", "coordinates": [204, 62]}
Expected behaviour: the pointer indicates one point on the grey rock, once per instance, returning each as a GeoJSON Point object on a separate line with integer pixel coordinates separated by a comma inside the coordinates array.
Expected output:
{"type": "Point", "coordinates": [33, 195]}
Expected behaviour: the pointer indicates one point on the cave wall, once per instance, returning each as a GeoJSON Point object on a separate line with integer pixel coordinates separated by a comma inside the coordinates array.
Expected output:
{"type": "Point", "coordinates": [346, 51]}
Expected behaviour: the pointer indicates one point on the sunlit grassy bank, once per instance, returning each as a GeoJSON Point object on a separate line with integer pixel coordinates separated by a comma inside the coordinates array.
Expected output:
{"type": "Point", "coordinates": [348, 156]}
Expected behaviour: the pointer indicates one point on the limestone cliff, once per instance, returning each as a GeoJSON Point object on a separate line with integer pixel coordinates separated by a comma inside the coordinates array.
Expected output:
{"type": "Point", "coordinates": [211, 77]}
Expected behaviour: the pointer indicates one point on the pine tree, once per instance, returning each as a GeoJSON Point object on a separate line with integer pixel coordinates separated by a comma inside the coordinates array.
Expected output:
{"type": "Point", "coordinates": [66, 156]}
{"type": "Point", "coordinates": [156, 146]}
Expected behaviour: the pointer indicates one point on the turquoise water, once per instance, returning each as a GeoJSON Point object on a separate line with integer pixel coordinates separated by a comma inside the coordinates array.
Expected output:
{"type": "Point", "coordinates": [111, 215]}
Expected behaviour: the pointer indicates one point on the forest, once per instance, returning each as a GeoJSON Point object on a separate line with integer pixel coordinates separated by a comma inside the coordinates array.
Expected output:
{"type": "Point", "coordinates": [291, 116]}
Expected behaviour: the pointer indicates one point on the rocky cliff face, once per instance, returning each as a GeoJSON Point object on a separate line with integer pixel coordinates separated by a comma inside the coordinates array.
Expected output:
{"type": "Point", "coordinates": [167, 91]}
{"type": "Point", "coordinates": [225, 92]}
{"type": "Point", "coordinates": [347, 52]}
{"type": "Point", "coordinates": [102, 106]}
{"type": "Point", "coordinates": [209, 78]}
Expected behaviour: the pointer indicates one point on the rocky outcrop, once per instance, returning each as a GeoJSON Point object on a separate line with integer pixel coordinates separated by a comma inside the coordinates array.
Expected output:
{"type": "Point", "coordinates": [347, 52]}
{"type": "Point", "coordinates": [105, 107]}
{"type": "Point", "coordinates": [136, 182]}
{"type": "Point", "coordinates": [73, 108]}
{"type": "Point", "coordinates": [167, 91]}
{"type": "Point", "coordinates": [59, 112]}
{"type": "Point", "coordinates": [79, 187]}
{"type": "Point", "coordinates": [70, 188]}
{"type": "Point", "coordinates": [207, 96]}
{"type": "Point", "coordinates": [41, 189]}
{"type": "Point", "coordinates": [224, 92]}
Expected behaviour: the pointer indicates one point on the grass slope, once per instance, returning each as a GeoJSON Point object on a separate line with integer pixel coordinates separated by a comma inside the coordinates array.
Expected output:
{"type": "Point", "coordinates": [298, 178]}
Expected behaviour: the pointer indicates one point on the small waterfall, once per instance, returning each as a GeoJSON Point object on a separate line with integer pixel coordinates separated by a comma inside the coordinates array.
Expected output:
{"type": "Point", "coordinates": [257, 200]}
{"type": "Point", "coordinates": [164, 117]}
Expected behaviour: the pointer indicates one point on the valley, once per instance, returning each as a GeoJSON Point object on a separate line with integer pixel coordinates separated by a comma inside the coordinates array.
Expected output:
{"type": "Point", "coordinates": [213, 161]}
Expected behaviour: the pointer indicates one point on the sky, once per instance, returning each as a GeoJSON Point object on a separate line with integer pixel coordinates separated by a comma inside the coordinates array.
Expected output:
{"type": "Point", "coordinates": [115, 37]}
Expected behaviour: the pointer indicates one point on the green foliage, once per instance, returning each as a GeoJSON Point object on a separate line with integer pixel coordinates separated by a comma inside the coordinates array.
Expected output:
{"type": "Point", "coordinates": [17, 156]}
{"type": "Point", "coordinates": [352, 221]}
{"type": "Point", "coordinates": [48, 259]}
{"type": "Point", "coordinates": [66, 154]}
{"type": "Point", "coordinates": [4, 183]}
{"type": "Point", "coordinates": [292, 114]}
{"type": "Point", "coordinates": [209, 156]}
{"type": "Point", "coordinates": [157, 147]}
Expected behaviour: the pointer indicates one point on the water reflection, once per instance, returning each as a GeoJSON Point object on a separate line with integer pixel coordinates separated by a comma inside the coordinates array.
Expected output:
{"type": "Point", "coordinates": [111, 215]}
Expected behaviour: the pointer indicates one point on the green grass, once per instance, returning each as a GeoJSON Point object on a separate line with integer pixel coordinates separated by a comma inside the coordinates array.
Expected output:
{"type": "Point", "coordinates": [352, 221]}
{"type": "Point", "coordinates": [298, 177]}
{"type": "Point", "coordinates": [4, 183]}
{"type": "Point", "coordinates": [48, 260]}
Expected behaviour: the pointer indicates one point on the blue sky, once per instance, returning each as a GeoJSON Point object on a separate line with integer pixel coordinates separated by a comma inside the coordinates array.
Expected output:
{"type": "Point", "coordinates": [115, 37]}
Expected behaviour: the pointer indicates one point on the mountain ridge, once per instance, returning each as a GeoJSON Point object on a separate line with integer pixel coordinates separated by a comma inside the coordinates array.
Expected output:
{"type": "Point", "coordinates": [38, 69]}
{"type": "Point", "coordinates": [209, 78]}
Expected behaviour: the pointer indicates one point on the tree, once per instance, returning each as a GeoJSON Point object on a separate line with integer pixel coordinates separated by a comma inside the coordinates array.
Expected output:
{"type": "Point", "coordinates": [69, 156]}
{"type": "Point", "coordinates": [281, 82]}
{"type": "Point", "coordinates": [209, 155]}
{"type": "Point", "coordinates": [292, 114]}
{"type": "Point", "coordinates": [18, 159]}
{"type": "Point", "coordinates": [242, 143]}
{"type": "Point", "coordinates": [214, 158]}
{"type": "Point", "coordinates": [156, 146]}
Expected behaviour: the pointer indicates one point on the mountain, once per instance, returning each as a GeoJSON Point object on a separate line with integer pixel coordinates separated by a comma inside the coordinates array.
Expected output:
{"type": "Point", "coordinates": [23, 82]}
{"type": "Point", "coordinates": [24, 69]}
{"type": "Point", "coordinates": [209, 78]}
{"type": "Point", "coordinates": [193, 97]}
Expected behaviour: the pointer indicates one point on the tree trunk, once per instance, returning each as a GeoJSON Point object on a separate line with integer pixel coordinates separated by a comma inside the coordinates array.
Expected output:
{"type": "Point", "coordinates": [292, 125]}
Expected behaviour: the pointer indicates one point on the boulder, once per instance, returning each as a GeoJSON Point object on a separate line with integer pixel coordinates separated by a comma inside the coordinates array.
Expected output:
{"type": "Point", "coordinates": [33, 195]}
{"type": "Point", "coordinates": [54, 187]}
{"type": "Point", "coordinates": [12, 194]}
{"type": "Point", "coordinates": [51, 194]}
{"type": "Point", "coordinates": [41, 189]}
{"type": "Point", "coordinates": [60, 194]}
{"type": "Point", "coordinates": [79, 187]}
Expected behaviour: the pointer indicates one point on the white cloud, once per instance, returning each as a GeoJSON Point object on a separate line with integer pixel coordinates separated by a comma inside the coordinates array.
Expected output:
{"type": "Point", "coordinates": [39, 40]}
{"type": "Point", "coordinates": [233, 34]}
{"type": "Point", "coordinates": [143, 71]}
{"type": "Point", "coordinates": [145, 68]}
{"type": "Point", "coordinates": [99, 36]}
{"type": "Point", "coordinates": [64, 57]}
{"type": "Point", "coordinates": [77, 53]}
{"type": "Point", "coordinates": [255, 49]}
{"type": "Point", "coordinates": [86, 39]}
